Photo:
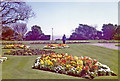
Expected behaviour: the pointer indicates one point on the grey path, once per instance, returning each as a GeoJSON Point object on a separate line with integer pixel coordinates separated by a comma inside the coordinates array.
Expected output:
{"type": "Point", "coordinates": [107, 45]}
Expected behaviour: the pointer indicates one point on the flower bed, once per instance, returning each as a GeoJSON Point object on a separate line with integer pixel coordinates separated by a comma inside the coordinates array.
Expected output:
{"type": "Point", "coordinates": [75, 42]}
{"type": "Point", "coordinates": [108, 41]}
{"type": "Point", "coordinates": [29, 52]}
{"type": "Point", "coordinates": [52, 46]}
{"type": "Point", "coordinates": [84, 67]}
{"type": "Point", "coordinates": [15, 46]}
{"type": "Point", "coordinates": [7, 43]}
{"type": "Point", "coordinates": [44, 43]}
{"type": "Point", "coordinates": [2, 59]}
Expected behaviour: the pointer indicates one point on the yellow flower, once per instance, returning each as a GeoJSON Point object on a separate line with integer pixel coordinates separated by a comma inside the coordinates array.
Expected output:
{"type": "Point", "coordinates": [76, 58]}
{"type": "Point", "coordinates": [30, 53]}
{"type": "Point", "coordinates": [44, 55]}
{"type": "Point", "coordinates": [54, 45]}
{"type": "Point", "coordinates": [21, 46]}
{"type": "Point", "coordinates": [51, 63]}
{"type": "Point", "coordinates": [73, 62]}
{"type": "Point", "coordinates": [47, 57]}
{"type": "Point", "coordinates": [78, 68]}
{"type": "Point", "coordinates": [59, 55]}
{"type": "Point", "coordinates": [11, 45]}
{"type": "Point", "coordinates": [54, 60]}
{"type": "Point", "coordinates": [25, 53]}
{"type": "Point", "coordinates": [9, 52]}
{"type": "Point", "coordinates": [53, 55]}
{"type": "Point", "coordinates": [8, 46]}
{"type": "Point", "coordinates": [48, 62]}
{"type": "Point", "coordinates": [80, 62]}
{"type": "Point", "coordinates": [68, 65]}
{"type": "Point", "coordinates": [41, 62]}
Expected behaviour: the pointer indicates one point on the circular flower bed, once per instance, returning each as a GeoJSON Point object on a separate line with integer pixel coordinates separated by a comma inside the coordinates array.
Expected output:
{"type": "Point", "coordinates": [2, 59]}
{"type": "Point", "coordinates": [52, 46]}
{"type": "Point", "coordinates": [29, 52]}
{"type": "Point", "coordinates": [15, 46]}
{"type": "Point", "coordinates": [84, 67]}
{"type": "Point", "coordinates": [44, 43]}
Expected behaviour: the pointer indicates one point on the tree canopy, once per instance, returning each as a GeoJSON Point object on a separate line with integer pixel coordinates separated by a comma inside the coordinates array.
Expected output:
{"type": "Point", "coordinates": [35, 33]}
{"type": "Point", "coordinates": [84, 32]}
{"type": "Point", "coordinates": [11, 12]}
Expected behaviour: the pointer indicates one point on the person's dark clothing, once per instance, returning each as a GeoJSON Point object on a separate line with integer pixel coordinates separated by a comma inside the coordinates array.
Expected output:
{"type": "Point", "coordinates": [64, 39]}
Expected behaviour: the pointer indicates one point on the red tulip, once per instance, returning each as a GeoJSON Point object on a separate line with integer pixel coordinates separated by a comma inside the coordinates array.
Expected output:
{"type": "Point", "coordinates": [95, 61]}
{"type": "Point", "coordinates": [70, 55]}
{"type": "Point", "coordinates": [95, 67]}
{"type": "Point", "coordinates": [57, 63]}
{"type": "Point", "coordinates": [58, 59]}
{"type": "Point", "coordinates": [86, 68]}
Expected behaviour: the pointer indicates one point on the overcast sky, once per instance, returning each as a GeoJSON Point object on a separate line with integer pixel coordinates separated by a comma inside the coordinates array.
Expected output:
{"type": "Point", "coordinates": [64, 17]}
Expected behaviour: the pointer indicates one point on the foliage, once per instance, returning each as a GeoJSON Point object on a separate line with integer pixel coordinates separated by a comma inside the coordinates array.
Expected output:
{"type": "Point", "coordinates": [7, 33]}
{"type": "Point", "coordinates": [108, 31]}
{"type": "Point", "coordinates": [36, 34]}
{"type": "Point", "coordinates": [85, 32]}
{"type": "Point", "coordinates": [116, 35]}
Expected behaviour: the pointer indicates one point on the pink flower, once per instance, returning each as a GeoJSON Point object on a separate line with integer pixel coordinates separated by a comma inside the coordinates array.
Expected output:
{"type": "Point", "coordinates": [86, 68]}
{"type": "Point", "coordinates": [95, 61]}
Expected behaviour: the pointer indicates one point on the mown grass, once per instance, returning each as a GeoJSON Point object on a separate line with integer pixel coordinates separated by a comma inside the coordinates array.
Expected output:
{"type": "Point", "coordinates": [19, 67]}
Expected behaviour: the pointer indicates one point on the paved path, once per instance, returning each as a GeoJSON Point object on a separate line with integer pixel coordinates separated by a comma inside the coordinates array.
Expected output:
{"type": "Point", "coordinates": [107, 45]}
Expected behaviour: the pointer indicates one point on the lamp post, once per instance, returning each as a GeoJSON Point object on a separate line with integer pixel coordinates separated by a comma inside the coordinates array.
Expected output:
{"type": "Point", "coordinates": [52, 34]}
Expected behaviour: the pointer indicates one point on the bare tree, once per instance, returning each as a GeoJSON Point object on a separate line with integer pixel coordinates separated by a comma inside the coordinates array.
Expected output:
{"type": "Point", "coordinates": [20, 28]}
{"type": "Point", "coordinates": [11, 12]}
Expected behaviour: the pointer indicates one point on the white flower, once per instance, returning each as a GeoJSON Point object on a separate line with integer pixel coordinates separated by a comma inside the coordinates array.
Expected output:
{"type": "Point", "coordinates": [1, 60]}
{"type": "Point", "coordinates": [108, 69]}
{"type": "Point", "coordinates": [5, 58]}
{"type": "Point", "coordinates": [101, 70]}
{"type": "Point", "coordinates": [27, 46]}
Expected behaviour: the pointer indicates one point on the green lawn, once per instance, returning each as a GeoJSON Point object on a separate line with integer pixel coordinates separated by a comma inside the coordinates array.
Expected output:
{"type": "Point", "coordinates": [19, 67]}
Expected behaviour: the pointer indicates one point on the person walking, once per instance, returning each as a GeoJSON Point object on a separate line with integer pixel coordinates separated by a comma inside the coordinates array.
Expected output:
{"type": "Point", "coordinates": [64, 39]}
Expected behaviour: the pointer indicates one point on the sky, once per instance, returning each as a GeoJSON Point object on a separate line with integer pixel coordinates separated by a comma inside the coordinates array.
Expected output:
{"type": "Point", "coordinates": [64, 17]}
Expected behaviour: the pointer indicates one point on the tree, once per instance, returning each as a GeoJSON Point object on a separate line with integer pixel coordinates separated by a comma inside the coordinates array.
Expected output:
{"type": "Point", "coordinates": [11, 12]}
{"type": "Point", "coordinates": [7, 33]}
{"type": "Point", "coordinates": [20, 28]}
{"type": "Point", "coordinates": [84, 32]}
{"type": "Point", "coordinates": [116, 35]}
{"type": "Point", "coordinates": [108, 31]}
{"type": "Point", "coordinates": [35, 34]}
{"type": "Point", "coordinates": [99, 35]}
